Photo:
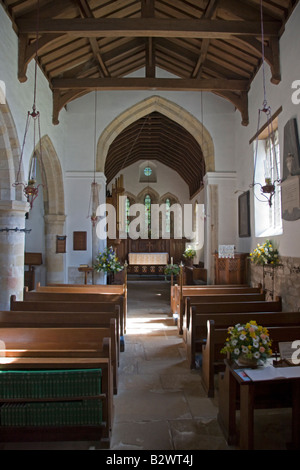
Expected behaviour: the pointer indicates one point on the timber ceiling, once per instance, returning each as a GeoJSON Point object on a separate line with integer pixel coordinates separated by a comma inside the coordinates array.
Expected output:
{"type": "Point", "coordinates": [156, 137]}
{"type": "Point", "coordinates": [209, 45]}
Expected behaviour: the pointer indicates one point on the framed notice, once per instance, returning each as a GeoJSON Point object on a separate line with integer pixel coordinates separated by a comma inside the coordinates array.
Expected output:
{"type": "Point", "coordinates": [79, 241]}
{"type": "Point", "coordinates": [61, 243]}
{"type": "Point", "coordinates": [244, 214]}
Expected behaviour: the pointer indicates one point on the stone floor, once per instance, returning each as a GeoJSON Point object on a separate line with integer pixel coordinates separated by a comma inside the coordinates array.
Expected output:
{"type": "Point", "coordinates": [161, 404]}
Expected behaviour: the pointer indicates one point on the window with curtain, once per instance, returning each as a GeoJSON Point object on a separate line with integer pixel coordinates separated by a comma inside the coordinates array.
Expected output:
{"type": "Point", "coordinates": [268, 220]}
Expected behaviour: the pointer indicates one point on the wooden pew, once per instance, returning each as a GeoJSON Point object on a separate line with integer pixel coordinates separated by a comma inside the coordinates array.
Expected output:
{"type": "Point", "coordinates": [110, 330]}
{"type": "Point", "coordinates": [229, 307]}
{"type": "Point", "coordinates": [282, 327]}
{"type": "Point", "coordinates": [197, 333]}
{"type": "Point", "coordinates": [220, 298]}
{"type": "Point", "coordinates": [60, 349]}
{"type": "Point", "coordinates": [199, 314]}
{"type": "Point", "coordinates": [45, 319]}
{"type": "Point", "coordinates": [83, 305]}
{"type": "Point", "coordinates": [103, 289]}
{"type": "Point", "coordinates": [113, 299]}
{"type": "Point", "coordinates": [179, 294]}
{"type": "Point", "coordinates": [86, 288]}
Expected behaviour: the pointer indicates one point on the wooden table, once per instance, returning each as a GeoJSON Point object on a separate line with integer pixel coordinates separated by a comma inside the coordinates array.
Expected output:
{"type": "Point", "coordinates": [238, 391]}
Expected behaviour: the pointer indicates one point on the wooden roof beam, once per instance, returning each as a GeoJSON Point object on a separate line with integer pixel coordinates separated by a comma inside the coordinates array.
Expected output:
{"type": "Point", "coordinates": [177, 84]}
{"type": "Point", "coordinates": [86, 12]}
{"type": "Point", "coordinates": [210, 13]}
{"type": "Point", "coordinates": [149, 27]}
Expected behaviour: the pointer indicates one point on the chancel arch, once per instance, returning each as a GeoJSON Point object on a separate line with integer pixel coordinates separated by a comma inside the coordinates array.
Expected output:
{"type": "Point", "coordinates": [111, 156]}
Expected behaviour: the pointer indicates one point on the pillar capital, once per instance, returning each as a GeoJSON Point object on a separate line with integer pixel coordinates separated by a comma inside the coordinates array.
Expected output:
{"type": "Point", "coordinates": [14, 206]}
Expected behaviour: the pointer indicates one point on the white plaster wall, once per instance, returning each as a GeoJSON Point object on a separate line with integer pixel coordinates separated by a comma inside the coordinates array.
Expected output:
{"type": "Point", "coordinates": [219, 117]}
{"type": "Point", "coordinates": [168, 181]}
{"type": "Point", "coordinates": [277, 95]}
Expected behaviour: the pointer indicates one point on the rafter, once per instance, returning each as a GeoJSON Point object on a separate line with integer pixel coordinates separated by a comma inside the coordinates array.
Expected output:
{"type": "Point", "coordinates": [149, 27]}
{"type": "Point", "coordinates": [87, 13]}
{"type": "Point", "coordinates": [149, 84]}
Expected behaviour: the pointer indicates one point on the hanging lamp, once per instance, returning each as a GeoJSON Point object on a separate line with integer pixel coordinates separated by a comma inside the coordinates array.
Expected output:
{"type": "Point", "coordinates": [30, 188]}
{"type": "Point", "coordinates": [271, 170]}
{"type": "Point", "coordinates": [94, 199]}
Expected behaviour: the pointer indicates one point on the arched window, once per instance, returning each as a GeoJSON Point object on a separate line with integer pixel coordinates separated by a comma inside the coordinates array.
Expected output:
{"type": "Point", "coordinates": [168, 215]}
{"type": "Point", "coordinates": [127, 208]}
{"type": "Point", "coordinates": [147, 203]}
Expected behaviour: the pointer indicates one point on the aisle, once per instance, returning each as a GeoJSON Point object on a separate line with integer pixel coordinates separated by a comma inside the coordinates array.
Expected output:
{"type": "Point", "coordinates": [161, 404]}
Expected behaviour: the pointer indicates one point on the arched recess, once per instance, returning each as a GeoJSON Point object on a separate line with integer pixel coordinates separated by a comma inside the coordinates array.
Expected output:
{"type": "Point", "coordinates": [169, 109]}
{"type": "Point", "coordinates": [53, 189]}
{"type": "Point", "coordinates": [54, 208]}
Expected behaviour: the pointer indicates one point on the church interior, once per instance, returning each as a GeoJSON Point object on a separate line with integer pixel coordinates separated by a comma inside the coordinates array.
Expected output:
{"type": "Point", "coordinates": [164, 134]}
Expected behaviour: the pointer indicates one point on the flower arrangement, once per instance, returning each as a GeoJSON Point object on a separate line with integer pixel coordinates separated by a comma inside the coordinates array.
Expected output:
{"type": "Point", "coordinates": [107, 261]}
{"type": "Point", "coordinates": [171, 269]}
{"type": "Point", "coordinates": [265, 254]}
{"type": "Point", "coordinates": [250, 340]}
{"type": "Point", "coordinates": [189, 253]}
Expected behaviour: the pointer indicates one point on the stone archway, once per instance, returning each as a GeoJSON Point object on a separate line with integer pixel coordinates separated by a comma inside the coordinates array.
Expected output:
{"type": "Point", "coordinates": [169, 109]}
{"type": "Point", "coordinates": [54, 209]}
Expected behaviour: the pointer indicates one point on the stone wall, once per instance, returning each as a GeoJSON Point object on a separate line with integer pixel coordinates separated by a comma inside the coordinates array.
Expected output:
{"type": "Point", "coordinates": [283, 280]}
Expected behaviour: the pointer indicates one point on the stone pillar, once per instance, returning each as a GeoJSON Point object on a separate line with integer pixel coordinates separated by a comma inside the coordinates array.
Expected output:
{"type": "Point", "coordinates": [99, 245]}
{"type": "Point", "coordinates": [12, 247]}
{"type": "Point", "coordinates": [55, 272]}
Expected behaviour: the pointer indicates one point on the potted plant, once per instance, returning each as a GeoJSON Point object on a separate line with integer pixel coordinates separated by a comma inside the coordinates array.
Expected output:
{"type": "Point", "coordinates": [265, 254]}
{"type": "Point", "coordinates": [189, 254]}
{"type": "Point", "coordinates": [171, 270]}
{"type": "Point", "coordinates": [248, 344]}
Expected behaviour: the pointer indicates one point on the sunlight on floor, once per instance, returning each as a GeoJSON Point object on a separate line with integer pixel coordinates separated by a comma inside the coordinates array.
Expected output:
{"type": "Point", "coordinates": [141, 325]}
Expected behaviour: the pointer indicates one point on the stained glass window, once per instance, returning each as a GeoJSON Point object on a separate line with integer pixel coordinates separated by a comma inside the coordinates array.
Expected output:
{"type": "Point", "coordinates": [147, 203]}
{"type": "Point", "coordinates": [147, 171]}
{"type": "Point", "coordinates": [127, 207]}
{"type": "Point", "coordinates": [168, 216]}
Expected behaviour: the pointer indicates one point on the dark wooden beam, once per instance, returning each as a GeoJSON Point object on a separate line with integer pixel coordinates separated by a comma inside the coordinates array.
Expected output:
{"type": "Point", "coordinates": [148, 27]}
{"type": "Point", "coordinates": [177, 84]}
{"type": "Point", "coordinates": [87, 13]}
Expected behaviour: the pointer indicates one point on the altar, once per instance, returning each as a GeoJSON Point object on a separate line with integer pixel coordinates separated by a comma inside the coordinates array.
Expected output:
{"type": "Point", "coordinates": [153, 259]}
{"type": "Point", "coordinates": [147, 263]}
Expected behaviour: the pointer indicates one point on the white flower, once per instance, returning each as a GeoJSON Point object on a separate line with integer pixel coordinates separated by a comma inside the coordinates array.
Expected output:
{"type": "Point", "coordinates": [256, 355]}
{"type": "Point", "coordinates": [242, 337]}
{"type": "Point", "coordinates": [234, 342]}
{"type": "Point", "coordinates": [236, 351]}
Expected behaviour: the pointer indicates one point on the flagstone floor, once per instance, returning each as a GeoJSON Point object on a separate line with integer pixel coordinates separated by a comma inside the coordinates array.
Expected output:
{"type": "Point", "coordinates": [161, 404]}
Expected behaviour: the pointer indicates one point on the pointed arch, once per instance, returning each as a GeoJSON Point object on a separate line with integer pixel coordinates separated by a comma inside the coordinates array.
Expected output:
{"type": "Point", "coordinates": [54, 200]}
{"type": "Point", "coordinates": [9, 156]}
{"type": "Point", "coordinates": [169, 109]}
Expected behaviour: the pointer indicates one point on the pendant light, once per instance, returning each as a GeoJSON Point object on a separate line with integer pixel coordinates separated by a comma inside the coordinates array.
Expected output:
{"type": "Point", "coordinates": [30, 188]}
{"type": "Point", "coordinates": [271, 170]}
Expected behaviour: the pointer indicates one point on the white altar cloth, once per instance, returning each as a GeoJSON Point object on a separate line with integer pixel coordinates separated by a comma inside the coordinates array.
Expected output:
{"type": "Point", "coordinates": [148, 258]}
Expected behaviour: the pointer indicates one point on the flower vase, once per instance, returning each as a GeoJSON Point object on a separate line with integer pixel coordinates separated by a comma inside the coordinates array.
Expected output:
{"type": "Point", "coordinates": [243, 360]}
